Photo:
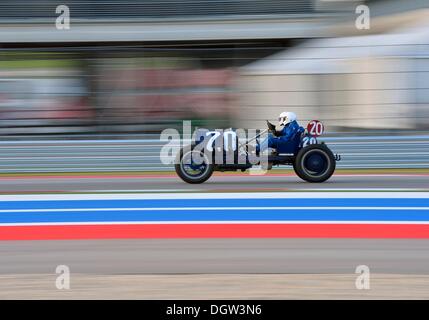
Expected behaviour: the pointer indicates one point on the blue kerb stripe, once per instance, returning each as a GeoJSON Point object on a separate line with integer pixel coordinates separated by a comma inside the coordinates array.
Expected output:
{"type": "Point", "coordinates": [217, 215]}
{"type": "Point", "coordinates": [192, 203]}
{"type": "Point", "coordinates": [220, 214]}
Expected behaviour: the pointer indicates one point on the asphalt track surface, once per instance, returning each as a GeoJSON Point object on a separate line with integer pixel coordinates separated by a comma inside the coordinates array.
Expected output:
{"type": "Point", "coordinates": [219, 182]}
{"type": "Point", "coordinates": [213, 256]}
{"type": "Point", "coordinates": [217, 256]}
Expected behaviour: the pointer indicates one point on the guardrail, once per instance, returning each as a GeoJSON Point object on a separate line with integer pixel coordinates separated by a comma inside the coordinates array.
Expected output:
{"type": "Point", "coordinates": [144, 154]}
{"type": "Point", "coordinates": [129, 9]}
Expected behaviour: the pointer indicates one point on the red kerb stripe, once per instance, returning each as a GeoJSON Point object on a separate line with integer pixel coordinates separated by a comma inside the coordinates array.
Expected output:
{"type": "Point", "coordinates": [143, 231]}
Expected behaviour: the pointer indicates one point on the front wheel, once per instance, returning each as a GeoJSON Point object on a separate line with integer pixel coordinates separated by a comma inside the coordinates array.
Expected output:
{"type": "Point", "coordinates": [193, 166]}
{"type": "Point", "coordinates": [314, 163]}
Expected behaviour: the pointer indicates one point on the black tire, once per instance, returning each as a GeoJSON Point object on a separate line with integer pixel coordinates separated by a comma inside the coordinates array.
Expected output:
{"type": "Point", "coordinates": [184, 175]}
{"type": "Point", "coordinates": [314, 163]}
{"type": "Point", "coordinates": [297, 172]}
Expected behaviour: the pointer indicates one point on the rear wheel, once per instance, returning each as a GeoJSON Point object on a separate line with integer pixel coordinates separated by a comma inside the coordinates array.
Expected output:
{"type": "Point", "coordinates": [193, 166]}
{"type": "Point", "coordinates": [314, 163]}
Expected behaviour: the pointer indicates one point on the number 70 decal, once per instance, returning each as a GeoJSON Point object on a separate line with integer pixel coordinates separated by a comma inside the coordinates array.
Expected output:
{"type": "Point", "coordinates": [227, 137]}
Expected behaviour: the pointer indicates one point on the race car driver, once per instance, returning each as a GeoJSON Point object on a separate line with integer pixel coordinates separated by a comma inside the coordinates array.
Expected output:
{"type": "Point", "coordinates": [282, 133]}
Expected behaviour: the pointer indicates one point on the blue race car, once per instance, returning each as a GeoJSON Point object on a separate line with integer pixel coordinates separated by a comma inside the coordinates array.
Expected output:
{"type": "Point", "coordinates": [213, 151]}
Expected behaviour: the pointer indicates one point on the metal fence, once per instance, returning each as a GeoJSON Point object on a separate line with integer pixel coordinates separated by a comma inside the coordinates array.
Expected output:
{"type": "Point", "coordinates": [93, 10]}
{"type": "Point", "coordinates": [144, 154]}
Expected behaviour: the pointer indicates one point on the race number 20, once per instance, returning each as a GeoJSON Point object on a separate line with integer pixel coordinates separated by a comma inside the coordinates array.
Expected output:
{"type": "Point", "coordinates": [315, 128]}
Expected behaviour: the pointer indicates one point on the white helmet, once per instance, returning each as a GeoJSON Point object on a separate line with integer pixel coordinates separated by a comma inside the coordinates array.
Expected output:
{"type": "Point", "coordinates": [286, 117]}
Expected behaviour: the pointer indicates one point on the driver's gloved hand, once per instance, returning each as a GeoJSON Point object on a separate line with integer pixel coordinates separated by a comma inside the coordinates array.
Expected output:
{"type": "Point", "coordinates": [271, 126]}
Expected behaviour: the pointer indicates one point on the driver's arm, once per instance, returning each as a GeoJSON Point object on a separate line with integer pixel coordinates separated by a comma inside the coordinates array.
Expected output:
{"type": "Point", "coordinates": [276, 131]}
{"type": "Point", "coordinates": [271, 127]}
{"type": "Point", "coordinates": [289, 131]}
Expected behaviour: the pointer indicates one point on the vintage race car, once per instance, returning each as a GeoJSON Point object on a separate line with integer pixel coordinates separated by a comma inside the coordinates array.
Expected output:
{"type": "Point", "coordinates": [213, 151]}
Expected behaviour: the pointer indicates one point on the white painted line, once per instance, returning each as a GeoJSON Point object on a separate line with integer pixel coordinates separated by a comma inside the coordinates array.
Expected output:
{"type": "Point", "coordinates": [212, 222]}
{"type": "Point", "coordinates": [380, 175]}
{"type": "Point", "coordinates": [230, 195]}
{"type": "Point", "coordinates": [149, 190]}
{"type": "Point", "coordinates": [366, 189]}
{"type": "Point", "coordinates": [214, 209]}
{"type": "Point", "coordinates": [280, 188]}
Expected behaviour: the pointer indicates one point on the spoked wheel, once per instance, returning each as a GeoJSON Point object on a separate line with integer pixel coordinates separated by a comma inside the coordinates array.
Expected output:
{"type": "Point", "coordinates": [315, 163]}
{"type": "Point", "coordinates": [193, 166]}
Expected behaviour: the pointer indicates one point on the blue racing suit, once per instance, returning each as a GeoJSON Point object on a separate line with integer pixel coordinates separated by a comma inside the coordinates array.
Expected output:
{"type": "Point", "coordinates": [283, 136]}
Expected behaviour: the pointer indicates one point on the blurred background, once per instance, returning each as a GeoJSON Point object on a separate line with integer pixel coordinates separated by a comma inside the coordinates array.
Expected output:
{"type": "Point", "coordinates": [126, 70]}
